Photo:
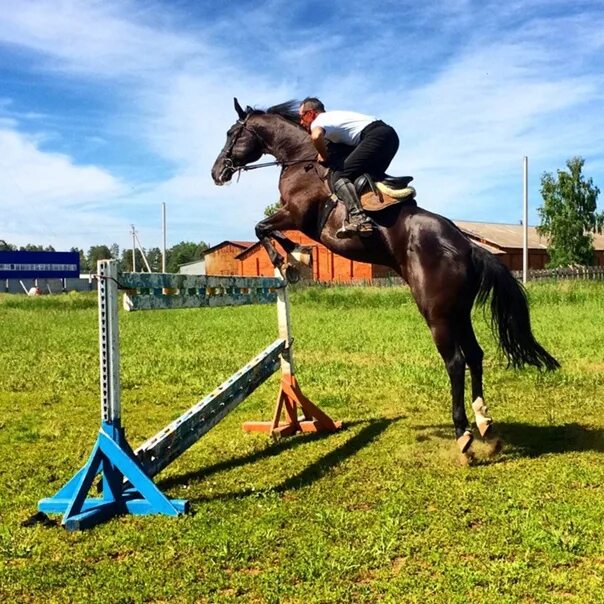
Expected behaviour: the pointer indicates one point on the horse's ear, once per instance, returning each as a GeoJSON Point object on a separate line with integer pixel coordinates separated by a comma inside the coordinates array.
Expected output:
{"type": "Point", "coordinates": [238, 109]}
{"type": "Point", "coordinates": [249, 109]}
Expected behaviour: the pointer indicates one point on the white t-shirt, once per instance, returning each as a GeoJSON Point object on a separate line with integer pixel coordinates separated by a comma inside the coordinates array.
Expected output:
{"type": "Point", "coordinates": [342, 126]}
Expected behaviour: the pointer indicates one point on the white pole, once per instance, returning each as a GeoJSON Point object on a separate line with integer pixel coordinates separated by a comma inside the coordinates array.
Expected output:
{"type": "Point", "coordinates": [525, 224]}
{"type": "Point", "coordinates": [133, 249]}
{"type": "Point", "coordinates": [284, 322]}
{"type": "Point", "coordinates": [109, 345]}
{"type": "Point", "coordinates": [163, 230]}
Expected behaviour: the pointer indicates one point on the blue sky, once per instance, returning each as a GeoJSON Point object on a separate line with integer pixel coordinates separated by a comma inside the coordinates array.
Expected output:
{"type": "Point", "coordinates": [108, 108]}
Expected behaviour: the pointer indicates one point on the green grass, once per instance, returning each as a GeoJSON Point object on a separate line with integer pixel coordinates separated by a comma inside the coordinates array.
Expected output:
{"type": "Point", "coordinates": [380, 512]}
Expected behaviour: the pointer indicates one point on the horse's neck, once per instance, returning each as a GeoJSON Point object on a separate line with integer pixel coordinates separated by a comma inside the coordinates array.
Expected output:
{"type": "Point", "coordinates": [285, 141]}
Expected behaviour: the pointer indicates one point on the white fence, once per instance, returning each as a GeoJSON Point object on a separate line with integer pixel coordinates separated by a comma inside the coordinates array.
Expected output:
{"type": "Point", "coordinates": [579, 272]}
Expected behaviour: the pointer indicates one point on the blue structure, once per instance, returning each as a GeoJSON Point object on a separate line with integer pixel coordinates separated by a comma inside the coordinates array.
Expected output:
{"type": "Point", "coordinates": [36, 265]}
{"type": "Point", "coordinates": [126, 474]}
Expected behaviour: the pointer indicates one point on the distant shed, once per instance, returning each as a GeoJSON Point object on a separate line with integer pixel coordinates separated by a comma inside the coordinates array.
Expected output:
{"type": "Point", "coordinates": [507, 240]}
{"type": "Point", "coordinates": [221, 259]}
{"type": "Point", "coordinates": [196, 267]}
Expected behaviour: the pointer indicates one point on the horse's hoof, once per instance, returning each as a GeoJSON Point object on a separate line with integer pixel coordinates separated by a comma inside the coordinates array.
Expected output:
{"type": "Point", "coordinates": [465, 441]}
{"type": "Point", "coordinates": [292, 274]}
{"type": "Point", "coordinates": [467, 458]}
{"type": "Point", "coordinates": [302, 255]}
{"type": "Point", "coordinates": [485, 429]}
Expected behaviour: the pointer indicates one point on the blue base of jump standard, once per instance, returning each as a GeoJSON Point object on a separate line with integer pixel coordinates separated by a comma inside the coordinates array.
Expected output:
{"type": "Point", "coordinates": [125, 487]}
{"type": "Point", "coordinates": [126, 475]}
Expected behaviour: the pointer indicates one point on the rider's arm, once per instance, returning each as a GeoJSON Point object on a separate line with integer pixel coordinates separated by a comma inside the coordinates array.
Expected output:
{"type": "Point", "coordinates": [318, 139]}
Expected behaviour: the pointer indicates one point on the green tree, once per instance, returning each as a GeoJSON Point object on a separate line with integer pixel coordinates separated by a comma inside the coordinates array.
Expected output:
{"type": "Point", "coordinates": [181, 253]}
{"type": "Point", "coordinates": [84, 268]}
{"type": "Point", "coordinates": [114, 248]}
{"type": "Point", "coordinates": [126, 261]}
{"type": "Point", "coordinates": [7, 247]}
{"type": "Point", "coordinates": [96, 253]}
{"type": "Point", "coordinates": [154, 259]}
{"type": "Point", "coordinates": [270, 210]}
{"type": "Point", "coordinates": [569, 215]}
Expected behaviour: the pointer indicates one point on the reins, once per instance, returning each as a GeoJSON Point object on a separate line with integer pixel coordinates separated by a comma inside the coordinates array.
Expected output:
{"type": "Point", "coordinates": [267, 164]}
{"type": "Point", "coordinates": [276, 163]}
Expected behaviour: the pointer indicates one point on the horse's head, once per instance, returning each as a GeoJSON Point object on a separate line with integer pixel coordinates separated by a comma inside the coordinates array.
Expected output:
{"type": "Point", "coordinates": [243, 146]}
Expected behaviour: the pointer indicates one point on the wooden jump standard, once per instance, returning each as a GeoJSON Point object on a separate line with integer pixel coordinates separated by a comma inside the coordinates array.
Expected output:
{"type": "Point", "coordinates": [126, 485]}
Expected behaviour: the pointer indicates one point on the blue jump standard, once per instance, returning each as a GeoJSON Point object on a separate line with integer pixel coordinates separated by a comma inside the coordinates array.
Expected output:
{"type": "Point", "coordinates": [113, 457]}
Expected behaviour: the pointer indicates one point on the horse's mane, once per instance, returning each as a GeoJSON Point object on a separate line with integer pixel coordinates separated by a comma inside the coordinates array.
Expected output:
{"type": "Point", "coordinates": [287, 110]}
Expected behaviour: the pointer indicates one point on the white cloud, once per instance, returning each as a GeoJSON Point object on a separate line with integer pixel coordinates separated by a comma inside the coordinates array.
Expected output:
{"type": "Point", "coordinates": [103, 39]}
{"type": "Point", "coordinates": [42, 194]}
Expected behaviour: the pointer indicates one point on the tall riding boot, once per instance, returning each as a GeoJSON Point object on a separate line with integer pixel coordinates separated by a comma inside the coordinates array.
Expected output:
{"type": "Point", "coordinates": [356, 222]}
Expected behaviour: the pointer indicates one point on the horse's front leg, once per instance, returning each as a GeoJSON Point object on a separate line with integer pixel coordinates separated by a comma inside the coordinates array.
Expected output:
{"type": "Point", "coordinates": [270, 228]}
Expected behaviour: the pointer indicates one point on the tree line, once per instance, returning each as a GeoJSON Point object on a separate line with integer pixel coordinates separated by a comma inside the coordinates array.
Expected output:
{"type": "Point", "coordinates": [181, 253]}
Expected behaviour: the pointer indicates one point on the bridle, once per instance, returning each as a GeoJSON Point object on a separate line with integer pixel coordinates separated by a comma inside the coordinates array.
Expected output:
{"type": "Point", "coordinates": [228, 155]}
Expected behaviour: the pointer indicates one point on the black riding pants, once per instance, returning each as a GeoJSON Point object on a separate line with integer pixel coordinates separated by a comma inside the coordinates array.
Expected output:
{"type": "Point", "coordinates": [379, 144]}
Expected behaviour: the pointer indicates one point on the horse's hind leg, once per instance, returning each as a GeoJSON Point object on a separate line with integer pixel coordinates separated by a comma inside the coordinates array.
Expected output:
{"type": "Point", "coordinates": [449, 349]}
{"type": "Point", "coordinates": [474, 355]}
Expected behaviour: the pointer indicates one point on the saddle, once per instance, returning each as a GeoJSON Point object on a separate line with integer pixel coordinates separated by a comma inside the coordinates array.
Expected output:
{"type": "Point", "coordinates": [378, 195]}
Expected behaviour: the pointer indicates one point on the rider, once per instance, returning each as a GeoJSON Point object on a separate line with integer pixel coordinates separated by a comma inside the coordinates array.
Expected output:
{"type": "Point", "coordinates": [375, 144]}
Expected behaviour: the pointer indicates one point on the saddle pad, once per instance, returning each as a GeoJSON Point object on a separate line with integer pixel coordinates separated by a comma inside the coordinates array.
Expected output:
{"type": "Point", "coordinates": [375, 203]}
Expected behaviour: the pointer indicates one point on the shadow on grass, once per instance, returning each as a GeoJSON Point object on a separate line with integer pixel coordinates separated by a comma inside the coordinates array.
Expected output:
{"type": "Point", "coordinates": [533, 441]}
{"type": "Point", "coordinates": [305, 477]}
{"type": "Point", "coordinates": [529, 440]}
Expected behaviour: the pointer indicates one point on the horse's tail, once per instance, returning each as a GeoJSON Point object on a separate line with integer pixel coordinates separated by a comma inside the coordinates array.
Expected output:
{"type": "Point", "coordinates": [510, 320]}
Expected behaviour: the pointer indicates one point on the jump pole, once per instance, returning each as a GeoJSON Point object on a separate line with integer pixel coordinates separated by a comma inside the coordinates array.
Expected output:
{"type": "Point", "coordinates": [126, 485]}
{"type": "Point", "coordinates": [291, 398]}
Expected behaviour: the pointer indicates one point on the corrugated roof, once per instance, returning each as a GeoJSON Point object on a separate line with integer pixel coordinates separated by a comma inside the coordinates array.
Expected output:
{"type": "Point", "coordinates": [494, 250]}
{"type": "Point", "coordinates": [511, 235]}
{"type": "Point", "coordinates": [502, 235]}
{"type": "Point", "coordinates": [599, 241]}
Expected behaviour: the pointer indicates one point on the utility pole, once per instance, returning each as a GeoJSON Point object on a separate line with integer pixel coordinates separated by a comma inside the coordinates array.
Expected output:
{"type": "Point", "coordinates": [136, 243]}
{"type": "Point", "coordinates": [525, 224]}
{"type": "Point", "coordinates": [163, 230]}
{"type": "Point", "coordinates": [133, 249]}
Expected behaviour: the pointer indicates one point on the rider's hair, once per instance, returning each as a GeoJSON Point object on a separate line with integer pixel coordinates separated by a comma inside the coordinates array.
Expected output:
{"type": "Point", "coordinates": [312, 102]}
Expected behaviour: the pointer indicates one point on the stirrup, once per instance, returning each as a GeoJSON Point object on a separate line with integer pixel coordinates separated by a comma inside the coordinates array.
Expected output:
{"type": "Point", "coordinates": [350, 229]}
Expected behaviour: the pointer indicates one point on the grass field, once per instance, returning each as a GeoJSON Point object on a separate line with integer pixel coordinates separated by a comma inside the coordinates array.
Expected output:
{"type": "Point", "coordinates": [380, 512]}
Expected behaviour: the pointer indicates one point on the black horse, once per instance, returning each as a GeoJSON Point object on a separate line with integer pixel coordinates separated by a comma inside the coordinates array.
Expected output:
{"type": "Point", "coordinates": [446, 272]}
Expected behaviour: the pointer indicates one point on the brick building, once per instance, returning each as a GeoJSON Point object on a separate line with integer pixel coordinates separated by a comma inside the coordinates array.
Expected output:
{"type": "Point", "coordinates": [326, 266]}
{"type": "Point", "coordinates": [249, 258]}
